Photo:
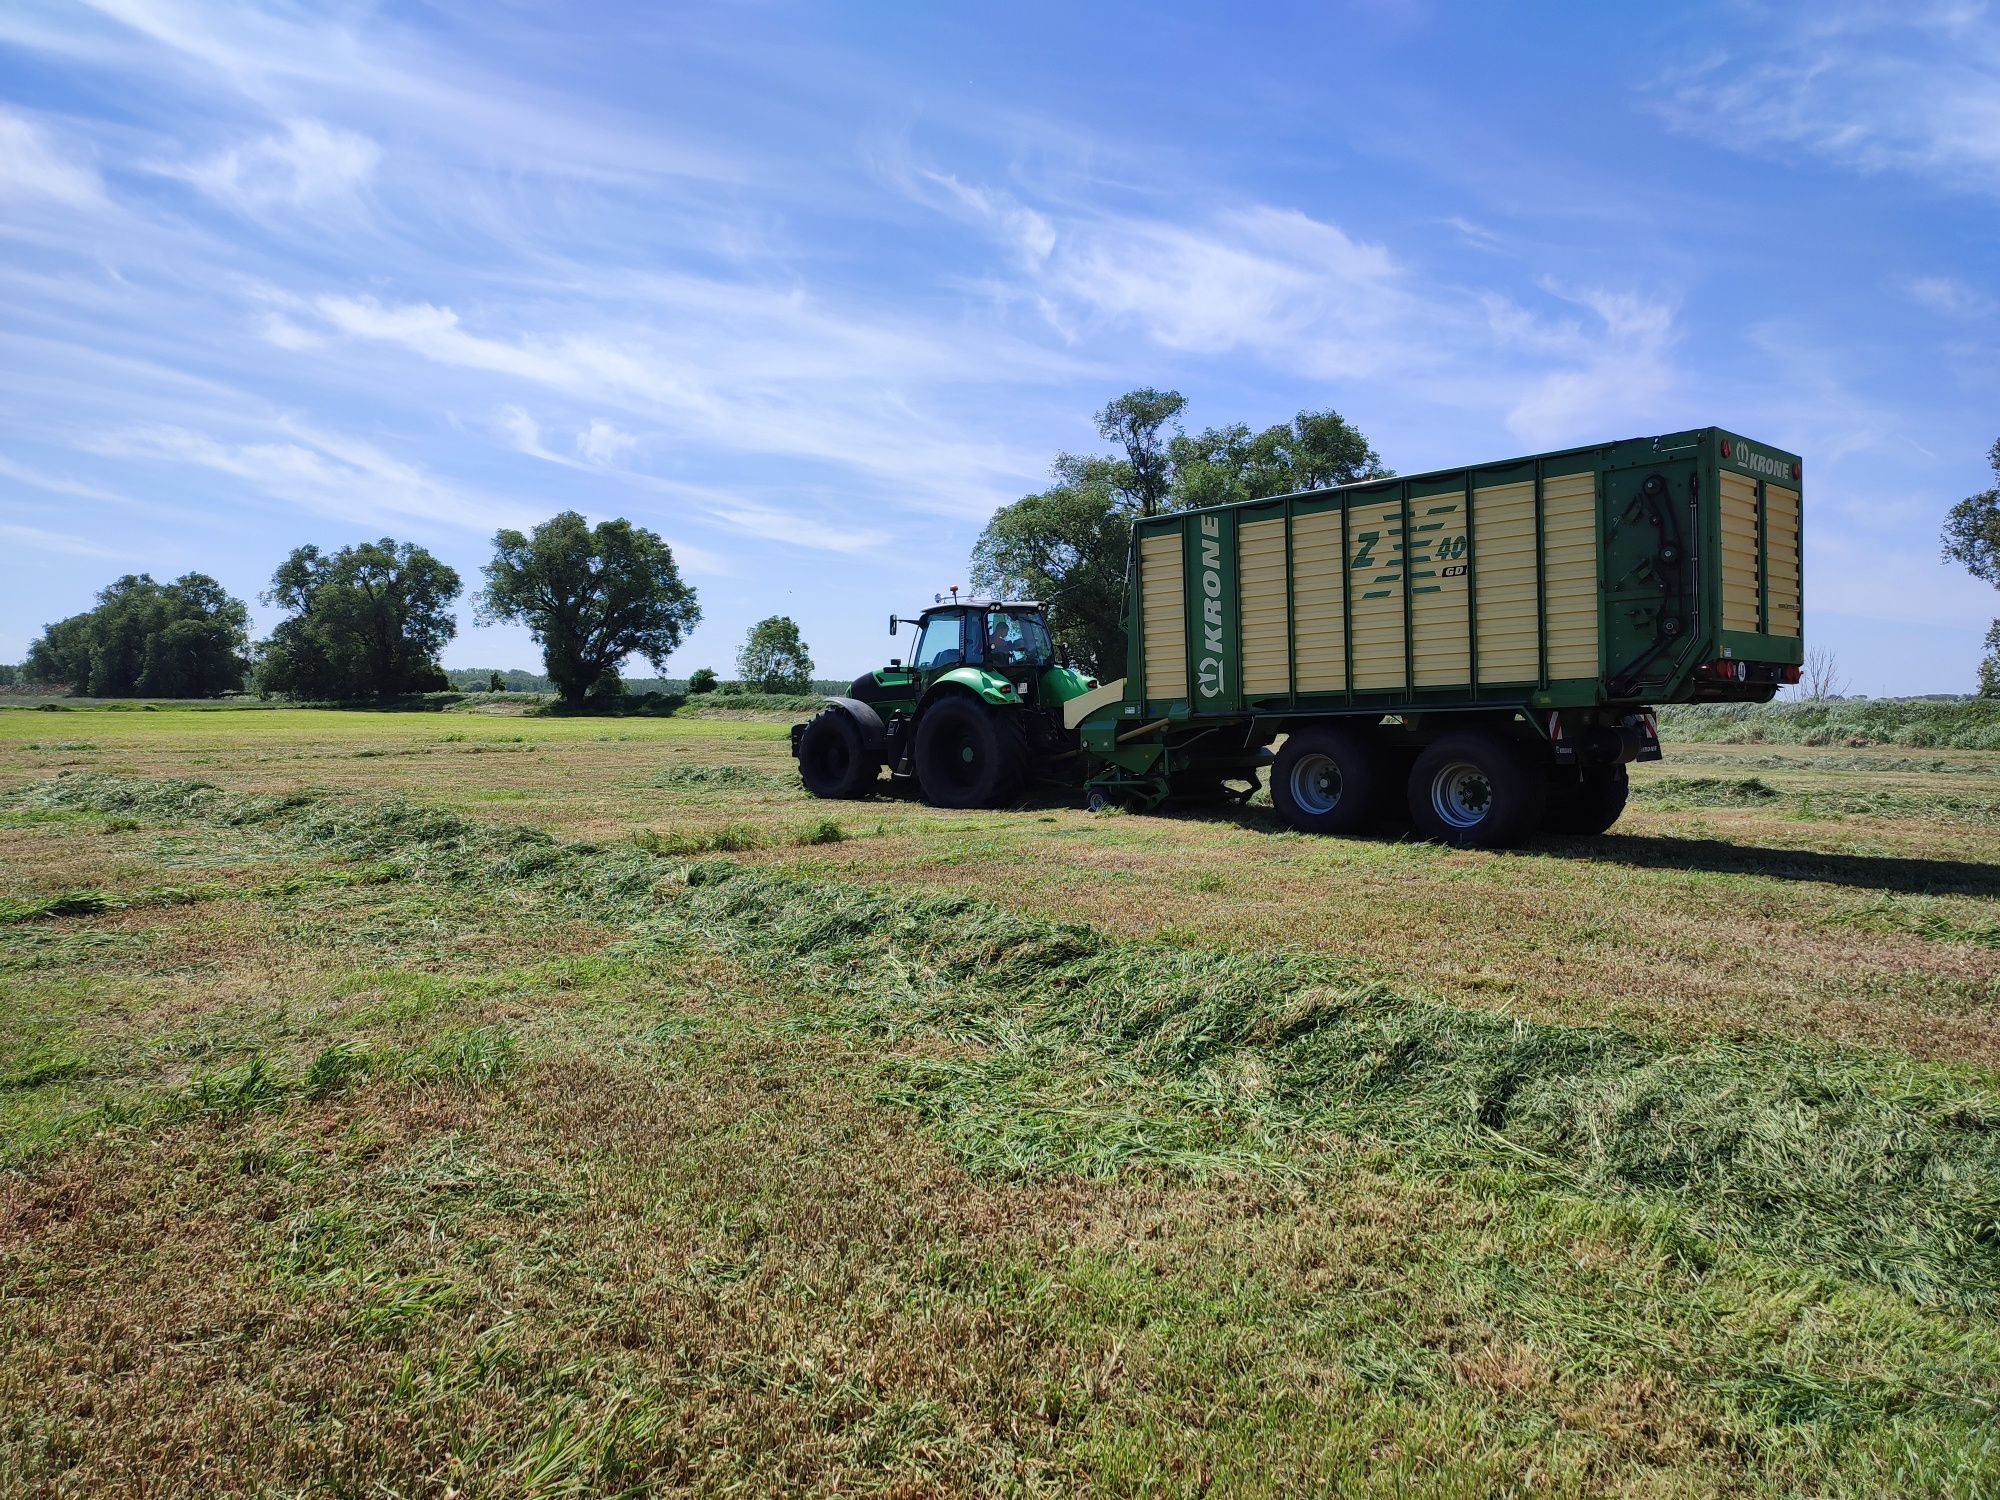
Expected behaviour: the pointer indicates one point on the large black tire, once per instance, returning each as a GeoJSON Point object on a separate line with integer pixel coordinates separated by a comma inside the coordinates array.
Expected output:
{"type": "Point", "coordinates": [970, 755]}
{"type": "Point", "coordinates": [1478, 789]}
{"type": "Point", "coordinates": [1329, 779]}
{"type": "Point", "coordinates": [1587, 807]}
{"type": "Point", "coordinates": [834, 760]}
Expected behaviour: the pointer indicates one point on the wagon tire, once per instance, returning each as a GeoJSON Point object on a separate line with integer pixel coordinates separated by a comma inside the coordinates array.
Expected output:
{"type": "Point", "coordinates": [1477, 790]}
{"type": "Point", "coordinates": [833, 757]}
{"type": "Point", "coordinates": [1330, 780]}
{"type": "Point", "coordinates": [1586, 808]}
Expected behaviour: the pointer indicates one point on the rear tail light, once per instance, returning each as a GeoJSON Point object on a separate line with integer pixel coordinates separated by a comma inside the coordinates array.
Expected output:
{"type": "Point", "coordinates": [1789, 674]}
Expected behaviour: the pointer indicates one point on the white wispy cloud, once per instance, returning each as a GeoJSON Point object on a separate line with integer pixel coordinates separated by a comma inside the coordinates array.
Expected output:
{"type": "Point", "coordinates": [287, 333]}
{"type": "Point", "coordinates": [1952, 297]}
{"type": "Point", "coordinates": [274, 57]}
{"type": "Point", "coordinates": [40, 540]}
{"type": "Point", "coordinates": [1308, 298]}
{"type": "Point", "coordinates": [58, 484]}
{"type": "Point", "coordinates": [1256, 277]}
{"type": "Point", "coordinates": [316, 470]}
{"type": "Point", "coordinates": [1865, 85]}
{"type": "Point", "coordinates": [749, 372]}
{"type": "Point", "coordinates": [1267, 279]}
{"type": "Point", "coordinates": [710, 504]}
{"type": "Point", "coordinates": [1614, 362]}
{"type": "Point", "coordinates": [34, 165]}
{"type": "Point", "coordinates": [305, 164]}
{"type": "Point", "coordinates": [603, 444]}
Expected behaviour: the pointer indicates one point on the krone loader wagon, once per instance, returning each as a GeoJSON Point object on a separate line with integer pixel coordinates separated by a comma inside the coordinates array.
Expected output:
{"type": "Point", "coordinates": [1477, 649]}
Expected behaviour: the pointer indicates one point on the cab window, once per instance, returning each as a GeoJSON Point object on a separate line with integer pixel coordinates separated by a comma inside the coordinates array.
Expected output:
{"type": "Point", "coordinates": [942, 644]}
{"type": "Point", "coordinates": [1017, 639]}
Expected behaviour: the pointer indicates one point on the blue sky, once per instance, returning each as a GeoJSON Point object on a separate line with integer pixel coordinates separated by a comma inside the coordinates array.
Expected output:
{"type": "Point", "coordinates": [811, 289]}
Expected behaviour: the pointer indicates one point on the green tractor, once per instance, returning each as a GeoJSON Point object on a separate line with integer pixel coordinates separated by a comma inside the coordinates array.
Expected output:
{"type": "Point", "coordinates": [973, 719]}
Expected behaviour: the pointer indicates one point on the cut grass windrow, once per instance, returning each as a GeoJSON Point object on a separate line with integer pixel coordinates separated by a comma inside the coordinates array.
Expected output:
{"type": "Point", "coordinates": [1885, 1170]}
{"type": "Point", "coordinates": [91, 903]}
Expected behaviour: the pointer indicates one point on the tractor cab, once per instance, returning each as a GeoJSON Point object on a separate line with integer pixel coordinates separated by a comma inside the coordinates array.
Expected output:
{"type": "Point", "coordinates": [1008, 639]}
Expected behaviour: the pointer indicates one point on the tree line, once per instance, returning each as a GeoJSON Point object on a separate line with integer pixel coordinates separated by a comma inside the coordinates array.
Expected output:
{"type": "Point", "coordinates": [371, 620]}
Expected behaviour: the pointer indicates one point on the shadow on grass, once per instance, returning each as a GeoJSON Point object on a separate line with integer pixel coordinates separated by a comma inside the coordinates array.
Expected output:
{"type": "Point", "coordinates": [1871, 872]}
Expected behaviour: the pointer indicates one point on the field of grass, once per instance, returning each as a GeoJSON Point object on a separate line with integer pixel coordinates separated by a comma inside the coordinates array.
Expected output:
{"type": "Point", "coordinates": [426, 1104]}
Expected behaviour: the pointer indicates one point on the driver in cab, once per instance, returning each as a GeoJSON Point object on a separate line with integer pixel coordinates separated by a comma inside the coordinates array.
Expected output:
{"type": "Point", "coordinates": [1005, 646]}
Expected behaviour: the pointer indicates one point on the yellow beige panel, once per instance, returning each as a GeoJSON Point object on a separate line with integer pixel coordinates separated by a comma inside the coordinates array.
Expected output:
{"type": "Point", "coordinates": [1260, 566]}
{"type": "Point", "coordinates": [1503, 519]}
{"type": "Point", "coordinates": [1569, 574]}
{"type": "Point", "coordinates": [1319, 585]}
{"type": "Point", "coordinates": [1781, 513]}
{"type": "Point", "coordinates": [1439, 638]}
{"type": "Point", "coordinates": [1739, 552]}
{"type": "Point", "coordinates": [1375, 571]}
{"type": "Point", "coordinates": [1165, 606]}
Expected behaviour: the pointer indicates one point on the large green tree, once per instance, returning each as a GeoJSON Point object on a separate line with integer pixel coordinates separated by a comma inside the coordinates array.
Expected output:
{"type": "Point", "coordinates": [592, 596]}
{"type": "Point", "coordinates": [185, 639]}
{"type": "Point", "coordinates": [1972, 539]}
{"type": "Point", "coordinates": [1134, 422]}
{"type": "Point", "coordinates": [774, 659]}
{"type": "Point", "coordinates": [367, 621]}
{"type": "Point", "coordinates": [1066, 545]}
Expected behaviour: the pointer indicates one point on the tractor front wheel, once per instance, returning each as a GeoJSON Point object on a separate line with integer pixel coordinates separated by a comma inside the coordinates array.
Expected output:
{"type": "Point", "coordinates": [833, 757]}
{"type": "Point", "coordinates": [969, 755]}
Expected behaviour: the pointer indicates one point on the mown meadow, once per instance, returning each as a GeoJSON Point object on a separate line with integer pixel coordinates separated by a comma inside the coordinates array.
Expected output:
{"type": "Point", "coordinates": [461, 1103]}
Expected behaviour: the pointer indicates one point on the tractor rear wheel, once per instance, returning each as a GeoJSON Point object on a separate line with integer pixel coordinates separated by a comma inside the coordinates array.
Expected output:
{"type": "Point", "coordinates": [970, 755]}
{"type": "Point", "coordinates": [1587, 807]}
{"type": "Point", "coordinates": [833, 757]}
{"type": "Point", "coordinates": [1477, 789]}
{"type": "Point", "coordinates": [1328, 779]}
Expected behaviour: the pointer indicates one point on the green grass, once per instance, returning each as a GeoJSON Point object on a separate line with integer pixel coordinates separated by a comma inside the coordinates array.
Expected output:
{"type": "Point", "coordinates": [1677, 792]}
{"type": "Point", "coordinates": [761, 1151]}
{"type": "Point", "coordinates": [1887, 1171]}
{"type": "Point", "coordinates": [712, 778]}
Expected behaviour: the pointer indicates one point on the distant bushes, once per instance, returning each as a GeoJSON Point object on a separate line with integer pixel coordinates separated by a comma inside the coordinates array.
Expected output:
{"type": "Point", "coordinates": [661, 705]}
{"type": "Point", "coordinates": [1928, 723]}
{"type": "Point", "coordinates": [514, 680]}
{"type": "Point", "coordinates": [727, 701]}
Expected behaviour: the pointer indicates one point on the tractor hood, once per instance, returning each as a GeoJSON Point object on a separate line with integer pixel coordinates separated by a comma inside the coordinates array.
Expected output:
{"type": "Point", "coordinates": [1053, 685]}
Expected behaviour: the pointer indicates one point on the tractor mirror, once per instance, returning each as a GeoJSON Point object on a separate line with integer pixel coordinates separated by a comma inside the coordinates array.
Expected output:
{"type": "Point", "coordinates": [892, 624]}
